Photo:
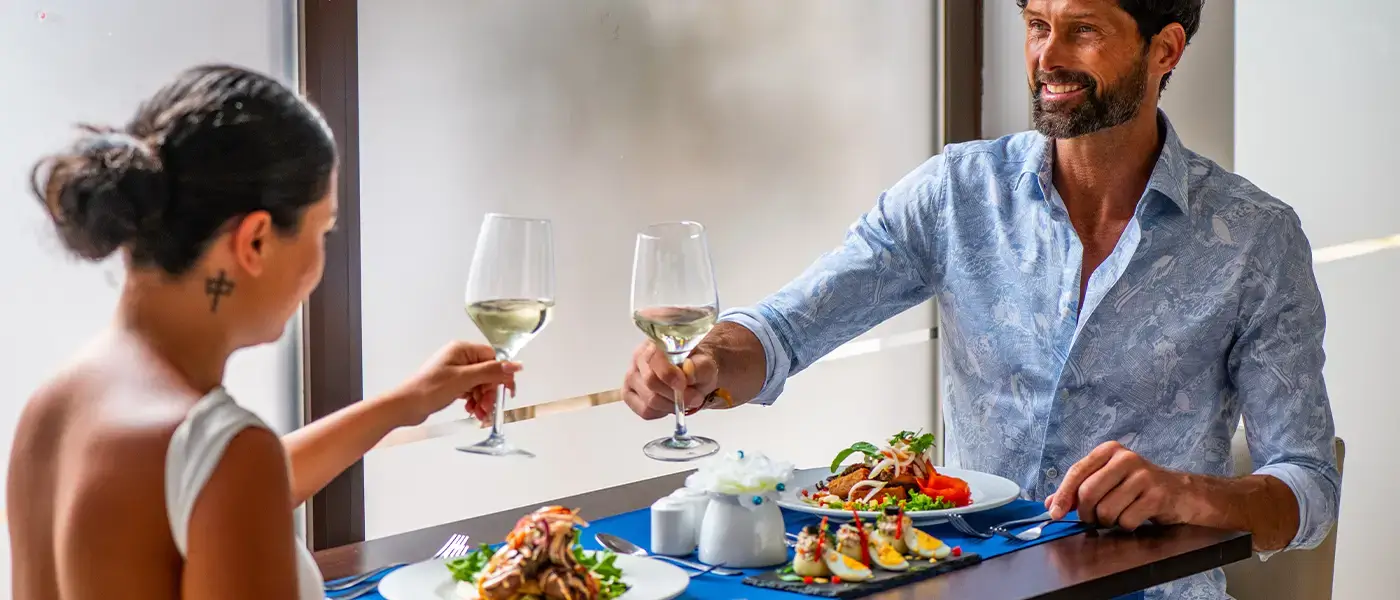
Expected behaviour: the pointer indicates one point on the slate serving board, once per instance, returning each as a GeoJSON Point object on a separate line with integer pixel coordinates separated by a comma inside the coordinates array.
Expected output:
{"type": "Point", "coordinates": [882, 581]}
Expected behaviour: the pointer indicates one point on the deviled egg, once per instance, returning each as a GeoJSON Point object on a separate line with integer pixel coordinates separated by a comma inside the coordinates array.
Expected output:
{"type": "Point", "coordinates": [809, 561]}
{"type": "Point", "coordinates": [892, 528]}
{"type": "Point", "coordinates": [852, 541]}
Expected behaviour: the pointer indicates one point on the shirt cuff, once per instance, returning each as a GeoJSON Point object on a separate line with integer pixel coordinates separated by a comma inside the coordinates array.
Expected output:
{"type": "Point", "coordinates": [1314, 522]}
{"type": "Point", "coordinates": [776, 371]}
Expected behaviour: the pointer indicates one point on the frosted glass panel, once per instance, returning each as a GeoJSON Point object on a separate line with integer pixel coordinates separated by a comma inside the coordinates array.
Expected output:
{"type": "Point", "coordinates": [774, 123]}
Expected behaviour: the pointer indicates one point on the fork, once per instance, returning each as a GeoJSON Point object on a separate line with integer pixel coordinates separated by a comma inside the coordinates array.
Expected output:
{"type": "Point", "coordinates": [1033, 533]}
{"type": "Point", "coordinates": [455, 547]}
{"type": "Point", "coordinates": [961, 524]}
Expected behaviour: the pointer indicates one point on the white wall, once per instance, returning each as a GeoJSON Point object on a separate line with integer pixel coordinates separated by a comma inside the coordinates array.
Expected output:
{"type": "Point", "coordinates": [775, 123]}
{"type": "Point", "coordinates": [1327, 148]}
{"type": "Point", "coordinates": [95, 61]}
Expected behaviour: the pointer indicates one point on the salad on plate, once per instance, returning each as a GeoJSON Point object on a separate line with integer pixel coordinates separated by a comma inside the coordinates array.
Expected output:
{"type": "Point", "coordinates": [541, 559]}
{"type": "Point", "coordinates": [899, 473]}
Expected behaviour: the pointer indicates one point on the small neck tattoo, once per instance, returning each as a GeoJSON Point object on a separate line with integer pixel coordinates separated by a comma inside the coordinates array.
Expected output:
{"type": "Point", "coordinates": [216, 288]}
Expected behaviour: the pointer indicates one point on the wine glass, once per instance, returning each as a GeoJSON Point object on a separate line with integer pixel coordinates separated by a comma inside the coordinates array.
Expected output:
{"type": "Point", "coordinates": [510, 297]}
{"type": "Point", "coordinates": [675, 303]}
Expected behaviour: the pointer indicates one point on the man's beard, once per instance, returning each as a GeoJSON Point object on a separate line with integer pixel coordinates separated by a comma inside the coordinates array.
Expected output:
{"type": "Point", "coordinates": [1117, 105]}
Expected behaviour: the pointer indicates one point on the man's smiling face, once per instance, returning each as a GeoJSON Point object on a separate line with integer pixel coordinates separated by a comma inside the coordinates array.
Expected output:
{"type": "Point", "coordinates": [1087, 64]}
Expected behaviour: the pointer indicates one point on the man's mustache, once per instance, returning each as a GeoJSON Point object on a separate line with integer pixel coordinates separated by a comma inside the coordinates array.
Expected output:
{"type": "Point", "coordinates": [1063, 78]}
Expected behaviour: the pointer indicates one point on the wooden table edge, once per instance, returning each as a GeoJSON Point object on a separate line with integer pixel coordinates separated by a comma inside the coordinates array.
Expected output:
{"type": "Point", "coordinates": [417, 545]}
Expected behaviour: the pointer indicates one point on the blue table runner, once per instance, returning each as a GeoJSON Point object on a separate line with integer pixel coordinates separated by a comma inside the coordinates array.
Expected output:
{"type": "Point", "coordinates": [636, 527]}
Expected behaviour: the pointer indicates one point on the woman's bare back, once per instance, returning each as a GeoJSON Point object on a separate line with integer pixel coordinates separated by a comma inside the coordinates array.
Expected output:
{"type": "Point", "coordinates": [86, 482]}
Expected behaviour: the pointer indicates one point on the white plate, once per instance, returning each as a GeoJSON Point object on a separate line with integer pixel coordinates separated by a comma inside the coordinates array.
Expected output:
{"type": "Point", "coordinates": [988, 492]}
{"type": "Point", "coordinates": [648, 579]}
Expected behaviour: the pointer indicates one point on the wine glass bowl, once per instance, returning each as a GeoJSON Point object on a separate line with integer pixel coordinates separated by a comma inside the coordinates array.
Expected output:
{"type": "Point", "coordinates": [510, 298]}
{"type": "Point", "coordinates": [675, 303]}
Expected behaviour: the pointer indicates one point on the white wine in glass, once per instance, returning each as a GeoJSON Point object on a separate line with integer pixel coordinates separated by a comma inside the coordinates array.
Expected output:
{"type": "Point", "coordinates": [510, 297]}
{"type": "Point", "coordinates": [675, 303]}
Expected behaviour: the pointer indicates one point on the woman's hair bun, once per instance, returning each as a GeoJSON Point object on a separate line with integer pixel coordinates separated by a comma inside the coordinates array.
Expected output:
{"type": "Point", "coordinates": [105, 191]}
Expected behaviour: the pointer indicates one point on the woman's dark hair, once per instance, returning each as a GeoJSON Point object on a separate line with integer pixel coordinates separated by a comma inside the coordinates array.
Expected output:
{"type": "Point", "coordinates": [218, 143]}
{"type": "Point", "coordinates": [1152, 16]}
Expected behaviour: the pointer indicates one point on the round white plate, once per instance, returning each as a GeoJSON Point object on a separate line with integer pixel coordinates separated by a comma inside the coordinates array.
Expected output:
{"type": "Point", "coordinates": [648, 579]}
{"type": "Point", "coordinates": [988, 492]}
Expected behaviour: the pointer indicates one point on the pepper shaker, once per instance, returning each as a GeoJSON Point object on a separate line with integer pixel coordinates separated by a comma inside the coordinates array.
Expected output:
{"type": "Point", "coordinates": [671, 530]}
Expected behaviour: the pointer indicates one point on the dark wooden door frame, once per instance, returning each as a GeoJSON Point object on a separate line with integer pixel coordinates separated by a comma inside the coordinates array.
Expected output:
{"type": "Point", "coordinates": [332, 373]}
{"type": "Point", "coordinates": [332, 377]}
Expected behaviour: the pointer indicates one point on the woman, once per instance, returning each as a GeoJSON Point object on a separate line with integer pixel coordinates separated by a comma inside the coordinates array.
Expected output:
{"type": "Point", "coordinates": [133, 474]}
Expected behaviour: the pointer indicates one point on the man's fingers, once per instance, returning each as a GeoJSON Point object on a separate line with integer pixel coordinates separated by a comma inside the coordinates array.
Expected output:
{"type": "Point", "coordinates": [1137, 513]}
{"type": "Point", "coordinates": [648, 381]}
{"type": "Point", "coordinates": [1067, 496]}
{"type": "Point", "coordinates": [669, 374]}
{"type": "Point", "coordinates": [702, 370]}
{"type": "Point", "coordinates": [1097, 486]}
{"type": "Point", "coordinates": [695, 397]}
{"type": "Point", "coordinates": [647, 405]}
{"type": "Point", "coordinates": [1109, 509]}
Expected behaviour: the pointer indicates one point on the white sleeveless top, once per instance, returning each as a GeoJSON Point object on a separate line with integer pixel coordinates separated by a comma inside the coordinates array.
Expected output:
{"type": "Point", "coordinates": [195, 451]}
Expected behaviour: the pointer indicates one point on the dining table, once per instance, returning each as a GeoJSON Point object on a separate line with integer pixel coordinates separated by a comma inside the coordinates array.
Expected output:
{"type": "Point", "coordinates": [1086, 566]}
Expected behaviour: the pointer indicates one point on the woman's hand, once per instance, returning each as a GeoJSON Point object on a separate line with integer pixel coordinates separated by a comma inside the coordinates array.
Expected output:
{"type": "Point", "coordinates": [460, 370]}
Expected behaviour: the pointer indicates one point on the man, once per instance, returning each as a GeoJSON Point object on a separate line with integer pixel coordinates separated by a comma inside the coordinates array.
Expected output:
{"type": "Point", "coordinates": [1111, 303]}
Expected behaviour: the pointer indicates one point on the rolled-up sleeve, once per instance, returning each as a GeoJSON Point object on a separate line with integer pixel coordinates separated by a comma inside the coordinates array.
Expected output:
{"type": "Point", "coordinates": [886, 264]}
{"type": "Point", "coordinates": [1276, 366]}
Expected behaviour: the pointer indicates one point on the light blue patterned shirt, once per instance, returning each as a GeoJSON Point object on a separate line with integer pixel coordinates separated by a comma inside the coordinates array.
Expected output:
{"type": "Point", "coordinates": [1207, 310]}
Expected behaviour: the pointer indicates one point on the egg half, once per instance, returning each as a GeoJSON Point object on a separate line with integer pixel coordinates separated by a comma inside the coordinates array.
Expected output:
{"type": "Point", "coordinates": [924, 545]}
{"type": "Point", "coordinates": [889, 559]}
{"type": "Point", "coordinates": [847, 568]}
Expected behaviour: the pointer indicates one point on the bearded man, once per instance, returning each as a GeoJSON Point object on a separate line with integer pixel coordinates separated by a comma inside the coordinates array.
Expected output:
{"type": "Point", "coordinates": [1156, 299]}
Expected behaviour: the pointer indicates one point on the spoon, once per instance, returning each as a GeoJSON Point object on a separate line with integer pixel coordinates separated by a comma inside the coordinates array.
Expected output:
{"type": "Point", "coordinates": [621, 546]}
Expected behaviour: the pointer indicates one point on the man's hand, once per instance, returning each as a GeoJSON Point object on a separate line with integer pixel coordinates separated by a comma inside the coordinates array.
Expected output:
{"type": "Point", "coordinates": [1114, 487]}
{"type": "Point", "coordinates": [652, 383]}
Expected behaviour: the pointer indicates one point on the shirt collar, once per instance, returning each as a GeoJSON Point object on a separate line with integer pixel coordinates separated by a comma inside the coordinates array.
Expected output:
{"type": "Point", "coordinates": [1169, 177]}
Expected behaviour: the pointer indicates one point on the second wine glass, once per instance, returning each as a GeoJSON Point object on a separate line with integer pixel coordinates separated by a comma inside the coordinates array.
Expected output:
{"type": "Point", "coordinates": [510, 297]}
{"type": "Point", "coordinates": [675, 303]}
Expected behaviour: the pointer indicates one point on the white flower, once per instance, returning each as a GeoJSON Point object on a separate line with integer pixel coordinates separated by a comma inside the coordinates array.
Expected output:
{"type": "Point", "coordinates": [740, 473]}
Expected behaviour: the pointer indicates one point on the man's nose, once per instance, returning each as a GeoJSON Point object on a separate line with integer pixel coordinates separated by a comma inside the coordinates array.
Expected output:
{"type": "Point", "coordinates": [1054, 52]}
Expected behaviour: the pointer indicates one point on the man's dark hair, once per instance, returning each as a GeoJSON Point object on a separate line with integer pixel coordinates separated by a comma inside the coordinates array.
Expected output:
{"type": "Point", "coordinates": [1153, 16]}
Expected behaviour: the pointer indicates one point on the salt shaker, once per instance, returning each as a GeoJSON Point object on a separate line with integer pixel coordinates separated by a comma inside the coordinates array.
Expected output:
{"type": "Point", "coordinates": [696, 502]}
{"type": "Point", "coordinates": [671, 530]}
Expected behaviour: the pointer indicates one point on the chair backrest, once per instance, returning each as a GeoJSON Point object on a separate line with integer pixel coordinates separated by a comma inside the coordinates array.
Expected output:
{"type": "Point", "coordinates": [1294, 575]}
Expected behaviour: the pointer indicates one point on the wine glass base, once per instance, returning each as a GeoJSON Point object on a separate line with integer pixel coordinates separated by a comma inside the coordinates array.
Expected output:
{"type": "Point", "coordinates": [495, 445]}
{"type": "Point", "coordinates": [673, 449]}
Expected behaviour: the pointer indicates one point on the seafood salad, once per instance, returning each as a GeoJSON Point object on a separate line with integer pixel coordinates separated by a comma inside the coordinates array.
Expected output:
{"type": "Point", "coordinates": [853, 552]}
{"type": "Point", "coordinates": [900, 473]}
{"type": "Point", "coordinates": [541, 559]}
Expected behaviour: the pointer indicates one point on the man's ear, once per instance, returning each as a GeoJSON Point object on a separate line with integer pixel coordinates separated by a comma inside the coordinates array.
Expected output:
{"type": "Point", "coordinates": [250, 242]}
{"type": "Point", "coordinates": [1168, 46]}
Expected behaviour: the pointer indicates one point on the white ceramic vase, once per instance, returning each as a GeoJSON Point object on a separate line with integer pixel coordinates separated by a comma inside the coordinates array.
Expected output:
{"type": "Point", "coordinates": [742, 532]}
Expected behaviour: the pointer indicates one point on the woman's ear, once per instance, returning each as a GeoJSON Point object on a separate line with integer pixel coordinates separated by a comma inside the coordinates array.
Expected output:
{"type": "Point", "coordinates": [249, 242]}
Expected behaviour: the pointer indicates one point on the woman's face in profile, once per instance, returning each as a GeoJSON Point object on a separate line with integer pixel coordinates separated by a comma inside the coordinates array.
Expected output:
{"type": "Point", "coordinates": [297, 263]}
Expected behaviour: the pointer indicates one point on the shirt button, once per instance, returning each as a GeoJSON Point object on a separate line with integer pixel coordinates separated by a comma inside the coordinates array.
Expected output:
{"type": "Point", "coordinates": [1052, 473]}
{"type": "Point", "coordinates": [1064, 394]}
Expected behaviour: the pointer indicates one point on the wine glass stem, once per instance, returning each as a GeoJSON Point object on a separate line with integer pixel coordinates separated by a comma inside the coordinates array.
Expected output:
{"type": "Point", "coordinates": [499, 411]}
{"type": "Point", "coordinates": [681, 432]}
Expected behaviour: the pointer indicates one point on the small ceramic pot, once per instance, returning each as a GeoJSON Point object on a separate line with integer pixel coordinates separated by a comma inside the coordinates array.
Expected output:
{"type": "Point", "coordinates": [742, 532]}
